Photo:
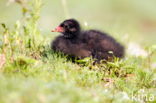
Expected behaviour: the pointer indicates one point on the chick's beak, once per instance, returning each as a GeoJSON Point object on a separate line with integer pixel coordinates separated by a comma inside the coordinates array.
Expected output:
{"type": "Point", "coordinates": [58, 29]}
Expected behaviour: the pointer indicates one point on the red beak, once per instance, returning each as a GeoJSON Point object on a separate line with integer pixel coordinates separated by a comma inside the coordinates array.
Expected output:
{"type": "Point", "coordinates": [58, 29]}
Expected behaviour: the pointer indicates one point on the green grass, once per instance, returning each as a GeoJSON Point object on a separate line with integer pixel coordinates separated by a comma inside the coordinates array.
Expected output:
{"type": "Point", "coordinates": [33, 73]}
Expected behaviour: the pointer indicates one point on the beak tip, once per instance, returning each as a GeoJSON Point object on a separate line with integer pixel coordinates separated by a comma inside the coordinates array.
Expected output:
{"type": "Point", "coordinates": [58, 29]}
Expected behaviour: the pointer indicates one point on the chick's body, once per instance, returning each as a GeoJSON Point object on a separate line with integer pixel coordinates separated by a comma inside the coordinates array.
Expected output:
{"type": "Point", "coordinates": [81, 44]}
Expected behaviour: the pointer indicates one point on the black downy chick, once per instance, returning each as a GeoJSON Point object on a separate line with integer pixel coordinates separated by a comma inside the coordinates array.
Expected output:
{"type": "Point", "coordinates": [81, 44]}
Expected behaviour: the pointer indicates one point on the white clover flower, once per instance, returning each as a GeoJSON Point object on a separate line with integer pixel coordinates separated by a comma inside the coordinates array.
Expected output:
{"type": "Point", "coordinates": [136, 50]}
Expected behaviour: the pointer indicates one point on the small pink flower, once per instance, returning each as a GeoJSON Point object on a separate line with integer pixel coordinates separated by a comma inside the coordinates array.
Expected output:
{"type": "Point", "coordinates": [2, 60]}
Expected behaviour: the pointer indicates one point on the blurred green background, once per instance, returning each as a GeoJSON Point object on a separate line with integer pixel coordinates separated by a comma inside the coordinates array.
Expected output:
{"type": "Point", "coordinates": [127, 20]}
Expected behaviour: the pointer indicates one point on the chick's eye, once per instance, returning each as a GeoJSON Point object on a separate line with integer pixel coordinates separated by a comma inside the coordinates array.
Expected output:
{"type": "Point", "coordinates": [66, 26]}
